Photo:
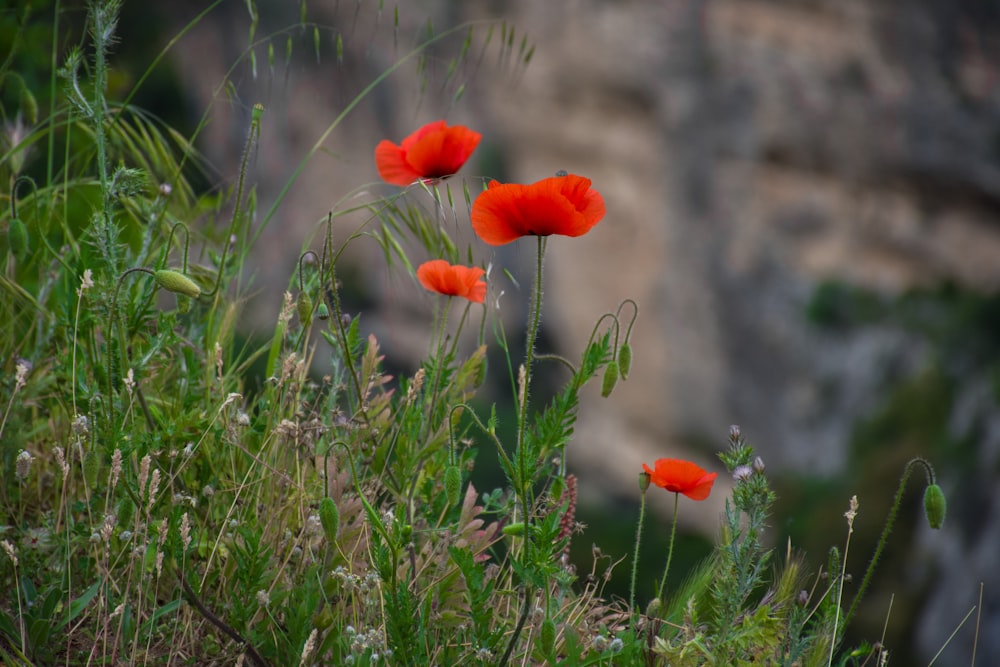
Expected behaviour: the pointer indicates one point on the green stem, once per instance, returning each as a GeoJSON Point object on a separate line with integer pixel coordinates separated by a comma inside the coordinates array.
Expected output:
{"type": "Point", "coordinates": [638, 541]}
{"type": "Point", "coordinates": [258, 111]}
{"type": "Point", "coordinates": [101, 29]}
{"type": "Point", "coordinates": [112, 319]}
{"type": "Point", "coordinates": [670, 551]}
{"type": "Point", "coordinates": [53, 64]}
{"type": "Point", "coordinates": [523, 484]}
{"type": "Point", "coordinates": [535, 316]}
{"type": "Point", "coordinates": [437, 367]}
{"type": "Point", "coordinates": [523, 465]}
{"type": "Point", "coordinates": [884, 537]}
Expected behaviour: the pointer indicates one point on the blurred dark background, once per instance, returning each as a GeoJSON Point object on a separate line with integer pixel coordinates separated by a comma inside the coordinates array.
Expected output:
{"type": "Point", "coordinates": [803, 198]}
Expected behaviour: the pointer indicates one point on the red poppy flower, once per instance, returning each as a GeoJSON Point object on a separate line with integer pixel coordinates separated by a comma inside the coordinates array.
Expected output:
{"type": "Point", "coordinates": [682, 477]}
{"type": "Point", "coordinates": [564, 205]}
{"type": "Point", "coordinates": [439, 276]}
{"type": "Point", "coordinates": [433, 151]}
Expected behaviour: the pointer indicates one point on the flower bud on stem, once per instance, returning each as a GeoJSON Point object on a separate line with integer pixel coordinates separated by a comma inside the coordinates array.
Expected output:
{"type": "Point", "coordinates": [934, 509]}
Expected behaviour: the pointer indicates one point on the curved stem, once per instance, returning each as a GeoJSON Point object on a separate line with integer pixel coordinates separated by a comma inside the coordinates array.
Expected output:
{"type": "Point", "coordinates": [112, 318]}
{"type": "Point", "coordinates": [635, 316]}
{"type": "Point", "coordinates": [884, 537]}
{"type": "Point", "coordinates": [670, 551]}
{"type": "Point", "coordinates": [302, 283]}
{"type": "Point", "coordinates": [597, 325]}
{"type": "Point", "coordinates": [17, 186]}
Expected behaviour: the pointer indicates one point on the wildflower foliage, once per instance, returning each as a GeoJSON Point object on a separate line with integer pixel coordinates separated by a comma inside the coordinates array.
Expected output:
{"type": "Point", "coordinates": [179, 495]}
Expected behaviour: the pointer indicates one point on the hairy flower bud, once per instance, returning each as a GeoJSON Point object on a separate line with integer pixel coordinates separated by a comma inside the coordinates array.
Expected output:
{"type": "Point", "coordinates": [610, 379]}
{"type": "Point", "coordinates": [453, 484]}
{"type": "Point", "coordinates": [305, 306]}
{"type": "Point", "coordinates": [329, 518]}
{"type": "Point", "coordinates": [514, 529]}
{"type": "Point", "coordinates": [17, 237]}
{"type": "Point", "coordinates": [323, 312]}
{"type": "Point", "coordinates": [177, 282]}
{"type": "Point", "coordinates": [935, 506]}
{"type": "Point", "coordinates": [625, 360]}
{"type": "Point", "coordinates": [653, 608]}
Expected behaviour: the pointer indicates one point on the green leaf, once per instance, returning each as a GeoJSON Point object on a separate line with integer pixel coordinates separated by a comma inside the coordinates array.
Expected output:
{"type": "Point", "coordinates": [77, 606]}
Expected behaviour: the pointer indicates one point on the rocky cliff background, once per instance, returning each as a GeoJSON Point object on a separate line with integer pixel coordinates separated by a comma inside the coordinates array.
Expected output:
{"type": "Point", "coordinates": [803, 197]}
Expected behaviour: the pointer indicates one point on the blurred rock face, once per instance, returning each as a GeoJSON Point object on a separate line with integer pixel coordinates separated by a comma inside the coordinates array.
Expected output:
{"type": "Point", "coordinates": [747, 151]}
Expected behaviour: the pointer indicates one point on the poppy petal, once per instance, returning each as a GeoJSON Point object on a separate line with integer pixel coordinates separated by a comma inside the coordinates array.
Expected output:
{"type": "Point", "coordinates": [681, 476]}
{"type": "Point", "coordinates": [409, 142]}
{"type": "Point", "coordinates": [442, 153]}
{"type": "Point", "coordinates": [433, 151]}
{"type": "Point", "coordinates": [439, 276]}
{"type": "Point", "coordinates": [564, 205]}
{"type": "Point", "coordinates": [390, 160]}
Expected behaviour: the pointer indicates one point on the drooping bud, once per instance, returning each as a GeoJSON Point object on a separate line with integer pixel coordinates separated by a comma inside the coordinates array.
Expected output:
{"type": "Point", "coordinates": [177, 282]}
{"type": "Point", "coordinates": [453, 484]}
{"type": "Point", "coordinates": [323, 312]}
{"type": "Point", "coordinates": [304, 305]}
{"type": "Point", "coordinates": [329, 518]}
{"type": "Point", "coordinates": [625, 360]}
{"type": "Point", "coordinates": [935, 506]}
{"type": "Point", "coordinates": [610, 379]}
{"type": "Point", "coordinates": [17, 237]}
